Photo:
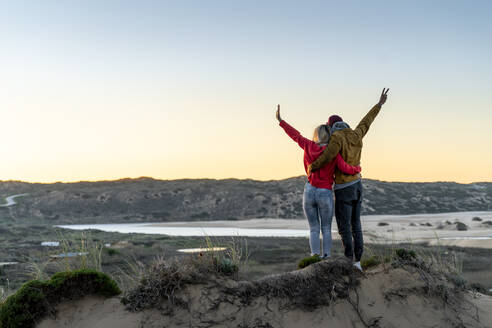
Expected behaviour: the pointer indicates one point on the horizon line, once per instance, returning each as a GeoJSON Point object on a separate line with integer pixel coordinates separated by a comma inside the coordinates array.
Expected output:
{"type": "Point", "coordinates": [221, 179]}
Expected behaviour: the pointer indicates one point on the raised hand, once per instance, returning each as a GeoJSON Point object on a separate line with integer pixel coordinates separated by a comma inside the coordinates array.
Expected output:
{"type": "Point", "coordinates": [277, 114]}
{"type": "Point", "coordinates": [384, 96]}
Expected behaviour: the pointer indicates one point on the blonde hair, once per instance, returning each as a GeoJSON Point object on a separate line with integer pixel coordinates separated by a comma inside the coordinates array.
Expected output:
{"type": "Point", "coordinates": [321, 134]}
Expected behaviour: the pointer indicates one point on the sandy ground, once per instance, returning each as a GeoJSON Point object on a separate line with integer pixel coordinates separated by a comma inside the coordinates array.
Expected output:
{"type": "Point", "coordinates": [397, 230]}
{"type": "Point", "coordinates": [93, 312]}
{"type": "Point", "coordinates": [394, 298]}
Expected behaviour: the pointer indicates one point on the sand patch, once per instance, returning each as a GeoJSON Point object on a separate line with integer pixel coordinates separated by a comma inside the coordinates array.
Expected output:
{"type": "Point", "coordinates": [93, 312]}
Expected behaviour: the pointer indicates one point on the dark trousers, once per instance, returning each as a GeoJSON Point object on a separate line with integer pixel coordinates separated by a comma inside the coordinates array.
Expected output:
{"type": "Point", "coordinates": [348, 202]}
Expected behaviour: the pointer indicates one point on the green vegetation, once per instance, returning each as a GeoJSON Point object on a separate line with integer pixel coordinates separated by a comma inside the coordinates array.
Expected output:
{"type": "Point", "coordinates": [373, 258]}
{"type": "Point", "coordinates": [479, 288]}
{"type": "Point", "coordinates": [307, 261]}
{"type": "Point", "coordinates": [230, 261]}
{"type": "Point", "coordinates": [405, 254]}
{"type": "Point", "coordinates": [226, 266]}
{"type": "Point", "coordinates": [36, 299]}
{"type": "Point", "coordinates": [111, 251]}
{"type": "Point", "coordinates": [370, 262]}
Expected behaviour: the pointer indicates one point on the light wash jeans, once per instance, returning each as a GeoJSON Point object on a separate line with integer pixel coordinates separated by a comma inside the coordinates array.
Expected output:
{"type": "Point", "coordinates": [318, 208]}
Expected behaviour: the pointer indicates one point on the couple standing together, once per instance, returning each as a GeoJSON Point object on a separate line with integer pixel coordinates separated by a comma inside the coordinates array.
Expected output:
{"type": "Point", "coordinates": [334, 156]}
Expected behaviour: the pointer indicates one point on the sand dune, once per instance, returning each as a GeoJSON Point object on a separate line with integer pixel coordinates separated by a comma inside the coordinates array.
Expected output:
{"type": "Point", "coordinates": [323, 296]}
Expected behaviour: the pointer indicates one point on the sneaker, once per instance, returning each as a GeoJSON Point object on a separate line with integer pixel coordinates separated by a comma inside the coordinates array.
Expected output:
{"type": "Point", "coordinates": [358, 266]}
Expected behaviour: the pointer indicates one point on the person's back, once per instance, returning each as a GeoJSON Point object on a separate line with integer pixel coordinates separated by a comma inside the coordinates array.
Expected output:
{"type": "Point", "coordinates": [348, 188]}
{"type": "Point", "coordinates": [322, 178]}
{"type": "Point", "coordinates": [317, 199]}
{"type": "Point", "coordinates": [350, 150]}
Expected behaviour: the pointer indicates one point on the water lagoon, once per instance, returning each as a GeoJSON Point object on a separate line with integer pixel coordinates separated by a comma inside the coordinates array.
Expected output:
{"type": "Point", "coordinates": [400, 228]}
{"type": "Point", "coordinates": [189, 231]}
{"type": "Point", "coordinates": [199, 231]}
{"type": "Point", "coordinates": [11, 200]}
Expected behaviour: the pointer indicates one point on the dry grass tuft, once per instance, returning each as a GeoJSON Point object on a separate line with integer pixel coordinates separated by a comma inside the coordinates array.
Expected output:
{"type": "Point", "coordinates": [164, 278]}
{"type": "Point", "coordinates": [161, 282]}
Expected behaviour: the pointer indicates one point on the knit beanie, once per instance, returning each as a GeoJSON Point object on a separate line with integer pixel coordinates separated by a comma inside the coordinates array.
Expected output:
{"type": "Point", "coordinates": [333, 119]}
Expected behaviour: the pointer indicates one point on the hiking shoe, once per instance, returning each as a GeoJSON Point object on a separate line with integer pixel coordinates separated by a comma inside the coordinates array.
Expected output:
{"type": "Point", "coordinates": [358, 266]}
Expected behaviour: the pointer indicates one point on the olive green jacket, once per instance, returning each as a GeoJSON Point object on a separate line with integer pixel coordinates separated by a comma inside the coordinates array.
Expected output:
{"type": "Point", "coordinates": [348, 143]}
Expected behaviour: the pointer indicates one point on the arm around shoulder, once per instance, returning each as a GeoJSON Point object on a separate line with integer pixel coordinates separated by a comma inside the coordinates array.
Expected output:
{"type": "Point", "coordinates": [345, 167]}
{"type": "Point", "coordinates": [328, 154]}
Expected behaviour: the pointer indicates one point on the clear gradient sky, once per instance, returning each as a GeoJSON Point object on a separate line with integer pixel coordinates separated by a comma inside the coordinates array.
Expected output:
{"type": "Point", "coordinates": [94, 90]}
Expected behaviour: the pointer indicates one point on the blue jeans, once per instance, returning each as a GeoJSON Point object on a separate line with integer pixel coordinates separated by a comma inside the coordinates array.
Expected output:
{"type": "Point", "coordinates": [318, 208]}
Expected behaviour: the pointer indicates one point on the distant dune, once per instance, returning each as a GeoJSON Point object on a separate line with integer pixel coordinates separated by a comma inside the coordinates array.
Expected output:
{"type": "Point", "coordinates": [149, 200]}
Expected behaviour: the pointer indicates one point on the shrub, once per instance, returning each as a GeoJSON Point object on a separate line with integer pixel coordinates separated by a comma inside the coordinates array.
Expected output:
{"type": "Point", "coordinates": [476, 287]}
{"type": "Point", "coordinates": [487, 222]}
{"type": "Point", "coordinates": [412, 224]}
{"type": "Point", "coordinates": [227, 266]}
{"type": "Point", "coordinates": [461, 226]}
{"type": "Point", "coordinates": [36, 299]}
{"type": "Point", "coordinates": [404, 254]}
{"type": "Point", "coordinates": [162, 280]}
{"type": "Point", "coordinates": [111, 251]}
{"type": "Point", "coordinates": [457, 280]}
{"type": "Point", "coordinates": [382, 224]}
{"type": "Point", "coordinates": [370, 262]}
{"type": "Point", "coordinates": [476, 218]}
{"type": "Point", "coordinates": [307, 261]}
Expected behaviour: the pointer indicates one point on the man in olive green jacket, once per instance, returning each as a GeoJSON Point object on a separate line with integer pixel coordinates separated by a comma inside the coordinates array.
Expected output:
{"type": "Point", "coordinates": [348, 188]}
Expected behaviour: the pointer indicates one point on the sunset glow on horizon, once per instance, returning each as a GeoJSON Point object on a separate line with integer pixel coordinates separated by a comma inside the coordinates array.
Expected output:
{"type": "Point", "coordinates": [93, 90]}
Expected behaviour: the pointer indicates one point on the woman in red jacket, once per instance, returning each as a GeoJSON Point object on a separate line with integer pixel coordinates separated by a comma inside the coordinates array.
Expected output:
{"type": "Point", "coordinates": [317, 201]}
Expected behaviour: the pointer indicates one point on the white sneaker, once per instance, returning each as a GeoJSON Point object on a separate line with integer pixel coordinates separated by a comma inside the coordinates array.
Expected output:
{"type": "Point", "coordinates": [358, 266]}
